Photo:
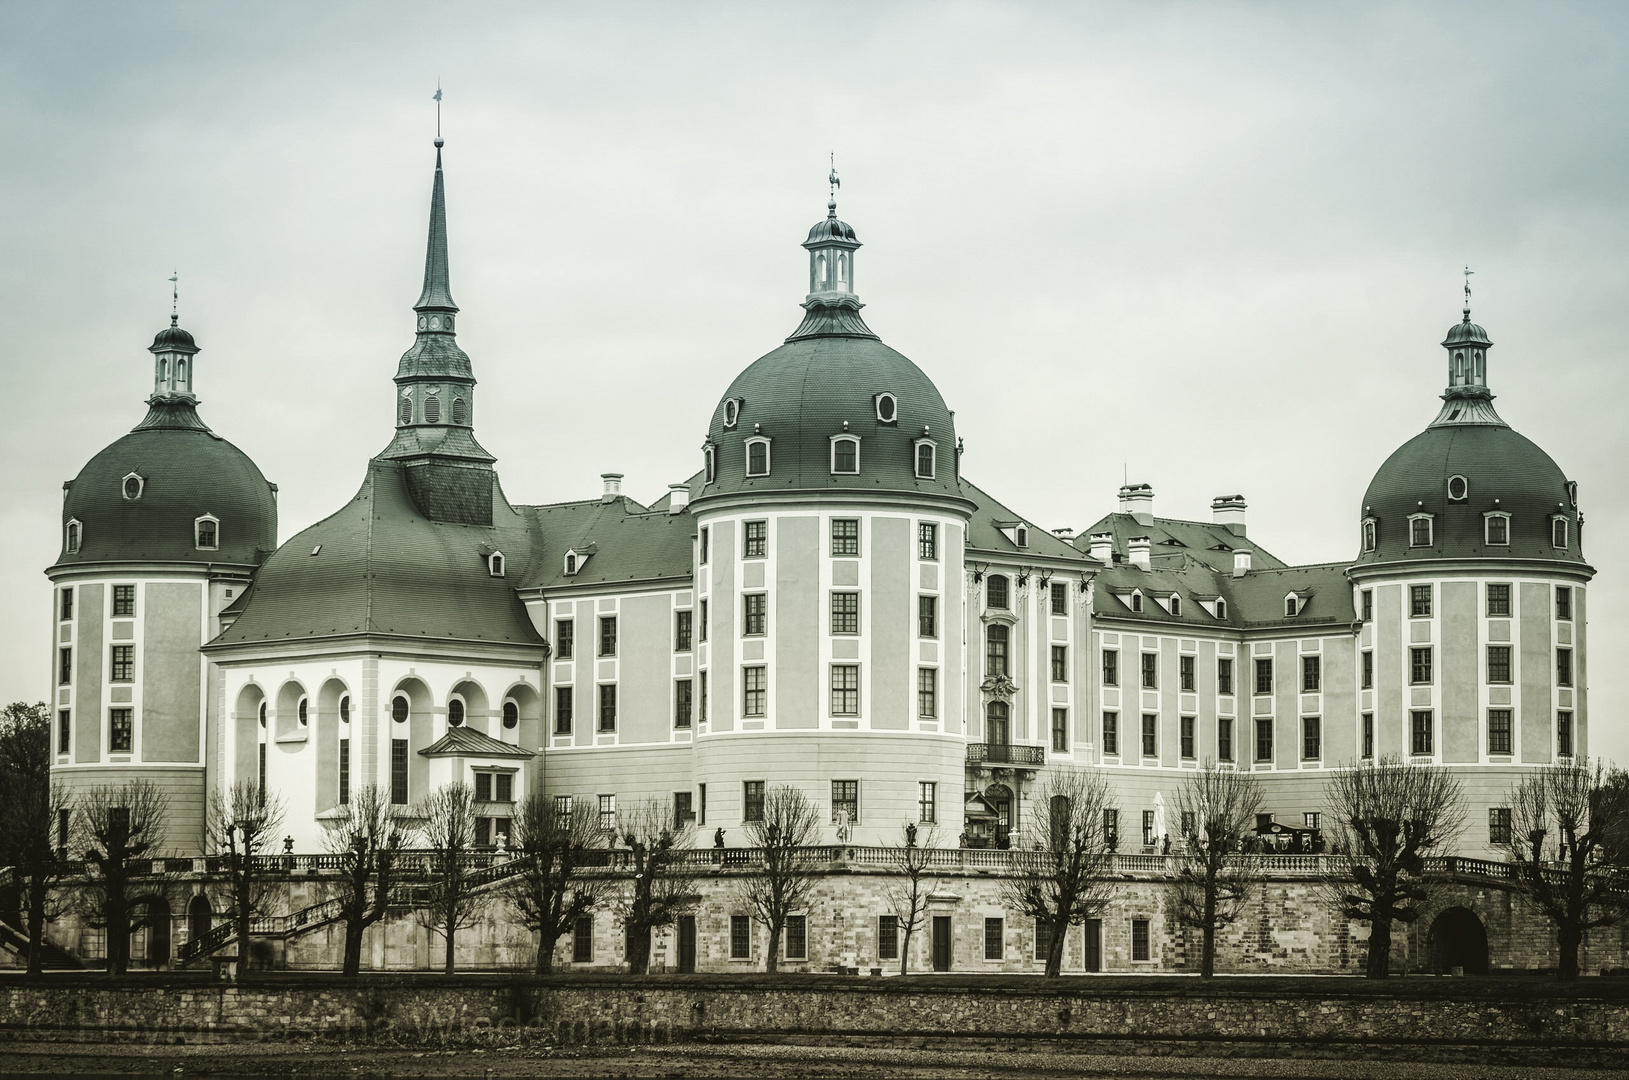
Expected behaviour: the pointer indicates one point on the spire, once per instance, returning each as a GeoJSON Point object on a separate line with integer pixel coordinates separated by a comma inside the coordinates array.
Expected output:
{"type": "Point", "coordinates": [1467, 400]}
{"type": "Point", "coordinates": [437, 295]}
{"type": "Point", "coordinates": [832, 308]}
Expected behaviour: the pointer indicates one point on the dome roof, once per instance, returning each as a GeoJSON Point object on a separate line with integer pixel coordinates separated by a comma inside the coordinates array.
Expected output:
{"type": "Point", "coordinates": [832, 229]}
{"type": "Point", "coordinates": [183, 471]}
{"type": "Point", "coordinates": [800, 395]}
{"type": "Point", "coordinates": [1503, 470]}
{"type": "Point", "coordinates": [173, 338]}
{"type": "Point", "coordinates": [1466, 332]}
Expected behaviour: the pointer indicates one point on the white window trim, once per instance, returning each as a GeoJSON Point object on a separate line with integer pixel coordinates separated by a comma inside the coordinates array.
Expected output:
{"type": "Point", "coordinates": [709, 463]}
{"type": "Point", "coordinates": [769, 464]}
{"type": "Point", "coordinates": [1174, 605]}
{"type": "Point", "coordinates": [832, 457]}
{"type": "Point", "coordinates": [1450, 489]}
{"type": "Point", "coordinates": [876, 403]}
{"type": "Point", "coordinates": [1430, 530]}
{"type": "Point", "coordinates": [73, 535]}
{"type": "Point", "coordinates": [732, 413]}
{"type": "Point", "coordinates": [1566, 532]}
{"type": "Point", "coordinates": [916, 451]}
{"type": "Point", "coordinates": [197, 541]}
{"type": "Point", "coordinates": [1371, 533]}
{"type": "Point", "coordinates": [495, 564]}
{"type": "Point", "coordinates": [141, 486]}
{"type": "Point", "coordinates": [1292, 605]}
{"type": "Point", "coordinates": [463, 706]}
{"type": "Point", "coordinates": [408, 719]}
{"type": "Point", "coordinates": [1135, 600]}
{"type": "Point", "coordinates": [1487, 517]}
{"type": "Point", "coordinates": [571, 563]}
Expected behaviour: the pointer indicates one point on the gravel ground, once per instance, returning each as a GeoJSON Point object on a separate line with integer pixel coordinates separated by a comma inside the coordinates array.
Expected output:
{"type": "Point", "coordinates": [759, 1062]}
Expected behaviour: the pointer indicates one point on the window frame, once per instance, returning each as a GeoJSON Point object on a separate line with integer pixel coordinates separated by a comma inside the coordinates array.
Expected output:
{"type": "Point", "coordinates": [754, 614]}
{"type": "Point", "coordinates": [1187, 673]}
{"type": "Point", "coordinates": [1059, 663]}
{"type": "Point", "coordinates": [1498, 608]}
{"type": "Point", "coordinates": [1224, 738]}
{"type": "Point", "coordinates": [1502, 735]}
{"type": "Point", "coordinates": [1422, 732]}
{"type": "Point", "coordinates": [844, 609]}
{"type": "Point", "coordinates": [754, 695]}
{"type": "Point", "coordinates": [1488, 518]}
{"type": "Point", "coordinates": [927, 802]}
{"type": "Point", "coordinates": [997, 650]}
{"type": "Point", "coordinates": [1111, 732]}
{"type": "Point", "coordinates": [1111, 667]}
{"type": "Point", "coordinates": [564, 718]}
{"type": "Point", "coordinates": [122, 663]}
{"type": "Point", "coordinates": [845, 793]}
{"type": "Point", "coordinates": [1417, 609]}
{"type": "Point", "coordinates": [837, 440]}
{"type": "Point", "coordinates": [1561, 527]}
{"type": "Point", "coordinates": [1499, 667]}
{"type": "Point", "coordinates": [121, 729]}
{"type": "Point", "coordinates": [1060, 597]}
{"type": "Point", "coordinates": [684, 704]}
{"type": "Point", "coordinates": [845, 546]}
{"type": "Point", "coordinates": [755, 539]}
{"type": "Point", "coordinates": [1264, 675]}
{"type": "Point", "coordinates": [1060, 729]}
{"type": "Point", "coordinates": [1264, 740]}
{"type": "Point", "coordinates": [751, 443]}
{"type": "Point", "coordinates": [1422, 667]}
{"type": "Point", "coordinates": [1187, 738]}
{"type": "Point", "coordinates": [1499, 822]}
{"type": "Point", "coordinates": [1224, 676]}
{"type": "Point", "coordinates": [1312, 738]}
{"type": "Point", "coordinates": [1563, 603]}
{"type": "Point", "coordinates": [1564, 671]}
{"type": "Point", "coordinates": [198, 526]}
{"type": "Point", "coordinates": [1564, 734]}
{"type": "Point", "coordinates": [124, 602]}
{"type": "Point", "coordinates": [927, 616]}
{"type": "Point", "coordinates": [606, 714]}
{"type": "Point", "coordinates": [752, 801]}
{"type": "Point", "coordinates": [931, 448]}
{"type": "Point", "coordinates": [606, 645]}
{"type": "Point", "coordinates": [844, 673]}
{"type": "Point", "coordinates": [1149, 670]}
{"type": "Point", "coordinates": [1414, 522]}
{"type": "Point", "coordinates": [565, 638]}
{"type": "Point", "coordinates": [1371, 534]}
{"type": "Point", "coordinates": [1312, 673]}
{"type": "Point", "coordinates": [927, 693]}
{"type": "Point", "coordinates": [1149, 746]}
{"type": "Point", "coordinates": [927, 541]}
{"type": "Point", "coordinates": [995, 938]}
{"type": "Point", "coordinates": [997, 599]}
{"type": "Point", "coordinates": [684, 630]}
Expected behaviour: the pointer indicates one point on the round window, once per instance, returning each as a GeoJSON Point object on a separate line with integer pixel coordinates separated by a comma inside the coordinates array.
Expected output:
{"type": "Point", "coordinates": [398, 710]}
{"type": "Point", "coordinates": [1458, 488]}
{"type": "Point", "coordinates": [511, 714]}
{"type": "Point", "coordinates": [887, 408]}
{"type": "Point", "coordinates": [455, 713]}
{"type": "Point", "coordinates": [132, 487]}
{"type": "Point", "coordinates": [435, 322]}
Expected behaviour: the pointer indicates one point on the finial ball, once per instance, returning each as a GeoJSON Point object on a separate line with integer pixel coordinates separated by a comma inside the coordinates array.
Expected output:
{"type": "Point", "coordinates": [440, 142]}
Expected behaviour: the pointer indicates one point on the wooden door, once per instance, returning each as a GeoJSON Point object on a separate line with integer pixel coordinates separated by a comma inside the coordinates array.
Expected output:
{"type": "Point", "coordinates": [941, 943]}
{"type": "Point", "coordinates": [687, 944]}
{"type": "Point", "coordinates": [1093, 929]}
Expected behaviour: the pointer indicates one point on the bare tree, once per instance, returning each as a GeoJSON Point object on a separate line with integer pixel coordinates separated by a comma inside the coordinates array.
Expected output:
{"type": "Point", "coordinates": [908, 896]}
{"type": "Point", "coordinates": [1585, 807]}
{"type": "Point", "coordinates": [241, 827]}
{"type": "Point", "coordinates": [367, 843]}
{"type": "Point", "coordinates": [779, 882]}
{"type": "Point", "coordinates": [1062, 877]}
{"type": "Point", "coordinates": [659, 888]}
{"type": "Point", "coordinates": [1388, 818]}
{"type": "Point", "coordinates": [1209, 879]}
{"type": "Point", "coordinates": [551, 893]}
{"type": "Point", "coordinates": [119, 828]}
{"type": "Point", "coordinates": [447, 826]}
{"type": "Point", "coordinates": [31, 807]}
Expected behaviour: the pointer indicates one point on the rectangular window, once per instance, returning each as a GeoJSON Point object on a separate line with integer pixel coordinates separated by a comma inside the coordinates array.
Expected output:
{"type": "Point", "coordinates": [1139, 940]}
{"type": "Point", "coordinates": [123, 668]}
{"type": "Point", "coordinates": [927, 616]}
{"type": "Point", "coordinates": [562, 710]}
{"type": "Point", "coordinates": [797, 930]}
{"type": "Point", "coordinates": [887, 937]}
{"type": "Point", "coordinates": [1150, 735]}
{"type": "Point", "coordinates": [608, 707]}
{"type": "Point", "coordinates": [1498, 825]}
{"type": "Point", "coordinates": [754, 691]}
{"type": "Point", "coordinates": [483, 787]}
{"type": "Point", "coordinates": [1368, 735]}
{"type": "Point", "coordinates": [67, 603]}
{"type": "Point", "coordinates": [752, 801]}
{"type": "Point", "coordinates": [705, 543]}
{"type": "Point", "coordinates": [1264, 739]}
{"type": "Point", "coordinates": [261, 774]}
{"type": "Point", "coordinates": [1499, 731]}
{"type": "Point", "coordinates": [1151, 670]}
{"type": "Point", "coordinates": [845, 690]}
{"type": "Point", "coordinates": [562, 810]}
{"type": "Point", "coordinates": [483, 832]}
{"type": "Point", "coordinates": [121, 731]}
{"type": "Point", "coordinates": [927, 693]}
{"type": "Point", "coordinates": [683, 703]}
{"type": "Point", "coordinates": [1498, 529]}
{"type": "Point", "coordinates": [1060, 663]}
{"type": "Point", "coordinates": [1060, 599]}
{"type": "Point", "coordinates": [1312, 738]}
{"type": "Point", "coordinates": [1043, 939]}
{"type": "Point", "coordinates": [564, 638]}
{"type": "Point", "coordinates": [927, 541]}
{"type": "Point", "coordinates": [1498, 663]}
{"type": "Point", "coordinates": [1310, 819]}
{"type": "Point", "coordinates": [1148, 828]}
{"type": "Point", "coordinates": [1423, 740]}
{"type": "Point", "coordinates": [1224, 738]}
{"type": "Point", "coordinates": [1563, 734]}
{"type": "Point", "coordinates": [701, 698]}
{"type": "Point", "coordinates": [756, 543]}
{"type": "Point", "coordinates": [995, 934]}
{"type": "Point", "coordinates": [1312, 674]}
{"type": "Point", "coordinates": [1186, 733]}
{"type": "Point", "coordinates": [398, 771]}
{"type": "Point", "coordinates": [1419, 532]}
{"type": "Point", "coordinates": [845, 613]}
{"type": "Point", "coordinates": [1111, 828]}
{"type": "Point", "coordinates": [1563, 602]}
{"type": "Point", "coordinates": [1111, 667]}
{"type": "Point", "coordinates": [701, 631]}
{"type": "Point", "coordinates": [927, 802]}
{"type": "Point", "coordinates": [701, 804]}
{"type": "Point", "coordinates": [740, 937]}
{"type": "Point", "coordinates": [124, 600]}
{"type": "Point", "coordinates": [1224, 676]}
{"type": "Point", "coordinates": [582, 940]}
{"type": "Point", "coordinates": [608, 635]}
{"type": "Point", "coordinates": [1368, 605]}
{"type": "Point", "coordinates": [1498, 600]}
{"type": "Point", "coordinates": [845, 801]}
{"type": "Point", "coordinates": [1368, 670]}
{"type": "Point", "coordinates": [65, 665]}
{"type": "Point", "coordinates": [608, 813]}
{"type": "Point", "coordinates": [1185, 672]}
{"type": "Point", "coordinates": [1419, 601]}
{"type": "Point", "coordinates": [995, 650]}
{"type": "Point", "coordinates": [1111, 733]}
{"type": "Point", "coordinates": [1060, 731]}
{"type": "Point", "coordinates": [995, 591]}
{"type": "Point", "coordinates": [344, 770]}
{"type": "Point", "coordinates": [64, 730]}
{"type": "Point", "coordinates": [1563, 667]}
{"type": "Point", "coordinates": [845, 536]}
{"type": "Point", "coordinates": [755, 614]}
{"type": "Point", "coordinates": [682, 631]}
{"type": "Point", "coordinates": [1264, 675]}
{"type": "Point", "coordinates": [1419, 664]}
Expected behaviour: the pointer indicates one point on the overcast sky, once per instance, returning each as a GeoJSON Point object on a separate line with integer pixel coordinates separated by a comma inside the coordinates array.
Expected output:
{"type": "Point", "coordinates": [1212, 247]}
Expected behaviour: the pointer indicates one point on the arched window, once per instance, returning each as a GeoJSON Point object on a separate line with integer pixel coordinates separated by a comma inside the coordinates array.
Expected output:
{"type": "Point", "coordinates": [511, 715]}
{"type": "Point", "coordinates": [842, 269]}
{"type": "Point", "coordinates": [710, 463]}
{"type": "Point", "coordinates": [74, 531]}
{"type": "Point", "coordinates": [926, 460]}
{"type": "Point", "coordinates": [1419, 530]}
{"type": "Point", "coordinates": [206, 533]}
{"type": "Point", "coordinates": [432, 408]}
{"type": "Point", "coordinates": [1292, 606]}
{"type": "Point", "coordinates": [181, 374]}
{"type": "Point", "coordinates": [1481, 371]}
{"type": "Point", "coordinates": [262, 714]}
{"type": "Point", "coordinates": [405, 413]}
{"type": "Point", "coordinates": [845, 454]}
{"type": "Point", "coordinates": [1176, 604]}
{"type": "Point", "coordinates": [1221, 609]}
{"type": "Point", "coordinates": [163, 369]}
{"type": "Point", "coordinates": [494, 564]}
{"type": "Point", "coordinates": [758, 457]}
{"type": "Point", "coordinates": [1558, 533]}
{"type": "Point", "coordinates": [1498, 529]}
{"type": "Point", "coordinates": [398, 709]}
{"type": "Point", "coordinates": [345, 709]}
{"type": "Point", "coordinates": [1136, 601]}
{"type": "Point", "coordinates": [996, 727]}
{"type": "Point", "coordinates": [1459, 368]}
{"type": "Point", "coordinates": [1371, 533]}
{"type": "Point", "coordinates": [995, 591]}
{"type": "Point", "coordinates": [300, 711]}
{"type": "Point", "coordinates": [455, 713]}
{"type": "Point", "coordinates": [458, 410]}
{"type": "Point", "coordinates": [820, 270]}
{"type": "Point", "coordinates": [571, 562]}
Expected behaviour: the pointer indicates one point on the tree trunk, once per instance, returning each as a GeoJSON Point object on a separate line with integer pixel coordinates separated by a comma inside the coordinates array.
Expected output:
{"type": "Point", "coordinates": [1379, 964]}
{"type": "Point", "coordinates": [905, 953]}
{"type": "Point", "coordinates": [638, 938]}
{"type": "Point", "coordinates": [1207, 948]}
{"type": "Point", "coordinates": [545, 955]}
{"type": "Point", "coordinates": [451, 929]}
{"type": "Point", "coordinates": [1054, 949]}
{"type": "Point", "coordinates": [353, 947]}
{"type": "Point", "coordinates": [36, 930]}
{"type": "Point", "coordinates": [1570, 937]}
{"type": "Point", "coordinates": [118, 939]}
{"type": "Point", "coordinates": [243, 941]}
{"type": "Point", "coordinates": [773, 957]}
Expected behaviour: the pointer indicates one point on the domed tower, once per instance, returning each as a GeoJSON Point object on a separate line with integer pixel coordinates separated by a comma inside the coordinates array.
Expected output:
{"type": "Point", "coordinates": [831, 524]}
{"type": "Point", "coordinates": [160, 531]}
{"type": "Point", "coordinates": [1470, 582]}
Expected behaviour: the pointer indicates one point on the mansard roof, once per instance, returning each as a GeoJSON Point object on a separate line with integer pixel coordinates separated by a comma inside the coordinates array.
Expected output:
{"type": "Point", "coordinates": [1254, 601]}
{"type": "Point", "coordinates": [1206, 541]}
{"type": "Point", "coordinates": [631, 543]}
{"type": "Point", "coordinates": [984, 530]}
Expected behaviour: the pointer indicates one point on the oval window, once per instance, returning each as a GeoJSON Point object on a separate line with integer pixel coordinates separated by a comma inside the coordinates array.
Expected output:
{"type": "Point", "coordinates": [887, 408]}
{"type": "Point", "coordinates": [345, 710]}
{"type": "Point", "coordinates": [732, 411]}
{"type": "Point", "coordinates": [455, 712]}
{"type": "Point", "coordinates": [1458, 488]}
{"type": "Point", "coordinates": [398, 710]}
{"type": "Point", "coordinates": [511, 714]}
{"type": "Point", "coordinates": [262, 714]}
{"type": "Point", "coordinates": [432, 409]}
{"type": "Point", "coordinates": [406, 411]}
{"type": "Point", "coordinates": [132, 487]}
{"type": "Point", "coordinates": [304, 717]}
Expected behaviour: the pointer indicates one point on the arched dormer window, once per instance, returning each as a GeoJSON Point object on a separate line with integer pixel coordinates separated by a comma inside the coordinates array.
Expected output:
{"type": "Point", "coordinates": [927, 459]}
{"type": "Point", "coordinates": [1292, 606]}
{"type": "Point", "coordinates": [1419, 530]}
{"type": "Point", "coordinates": [511, 715]}
{"type": "Point", "coordinates": [757, 456]}
{"type": "Point", "coordinates": [432, 408]}
{"type": "Point", "coordinates": [571, 563]}
{"type": "Point", "coordinates": [887, 408]}
{"type": "Point", "coordinates": [710, 462]}
{"type": "Point", "coordinates": [1371, 532]}
{"type": "Point", "coordinates": [206, 533]}
{"type": "Point", "coordinates": [1136, 601]}
{"type": "Point", "coordinates": [845, 454]}
{"type": "Point", "coordinates": [455, 712]}
{"type": "Point", "coordinates": [133, 486]}
{"type": "Point", "coordinates": [460, 411]}
{"type": "Point", "coordinates": [302, 710]}
{"type": "Point", "coordinates": [1176, 604]}
{"type": "Point", "coordinates": [404, 412]}
{"type": "Point", "coordinates": [1221, 609]}
{"type": "Point", "coordinates": [1496, 528]}
{"type": "Point", "coordinates": [494, 564]}
{"type": "Point", "coordinates": [399, 708]}
{"type": "Point", "coordinates": [732, 412]}
{"type": "Point", "coordinates": [73, 533]}
{"type": "Point", "coordinates": [1459, 489]}
{"type": "Point", "coordinates": [1558, 533]}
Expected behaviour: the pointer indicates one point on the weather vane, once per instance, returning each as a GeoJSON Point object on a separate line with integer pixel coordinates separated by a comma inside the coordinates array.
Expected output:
{"type": "Point", "coordinates": [175, 296]}
{"type": "Point", "coordinates": [438, 108]}
{"type": "Point", "coordinates": [832, 179]}
{"type": "Point", "coordinates": [1468, 273]}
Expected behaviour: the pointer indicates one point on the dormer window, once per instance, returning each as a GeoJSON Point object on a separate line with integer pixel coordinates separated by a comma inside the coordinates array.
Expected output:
{"type": "Point", "coordinates": [710, 462]}
{"type": "Point", "coordinates": [1459, 489]}
{"type": "Point", "coordinates": [404, 412]}
{"type": "Point", "coordinates": [732, 412]}
{"type": "Point", "coordinates": [927, 459]}
{"type": "Point", "coordinates": [758, 456]}
{"type": "Point", "coordinates": [1419, 530]}
{"type": "Point", "coordinates": [1292, 606]}
{"type": "Point", "coordinates": [133, 486]}
{"type": "Point", "coordinates": [1221, 609]}
{"type": "Point", "coordinates": [207, 533]}
{"type": "Point", "coordinates": [572, 563]}
{"type": "Point", "coordinates": [1558, 533]}
{"type": "Point", "coordinates": [1176, 604]}
{"type": "Point", "coordinates": [494, 564]}
{"type": "Point", "coordinates": [1371, 531]}
{"type": "Point", "coordinates": [845, 454]}
{"type": "Point", "coordinates": [1496, 528]}
{"type": "Point", "coordinates": [887, 408]}
{"type": "Point", "coordinates": [1020, 536]}
{"type": "Point", "coordinates": [432, 408]}
{"type": "Point", "coordinates": [1136, 601]}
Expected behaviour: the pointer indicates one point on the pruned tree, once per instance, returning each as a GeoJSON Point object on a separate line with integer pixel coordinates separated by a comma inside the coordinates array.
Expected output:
{"type": "Point", "coordinates": [1567, 821]}
{"type": "Point", "coordinates": [119, 828]}
{"type": "Point", "coordinates": [447, 826]}
{"type": "Point", "coordinates": [907, 897]}
{"type": "Point", "coordinates": [778, 883]}
{"type": "Point", "coordinates": [659, 887]}
{"type": "Point", "coordinates": [367, 844]}
{"type": "Point", "coordinates": [241, 827]}
{"type": "Point", "coordinates": [31, 807]}
{"type": "Point", "coordinates": [550, 893]}
{"type": "Point", "coordinates": [1210, 878]}
{"type": "Point", "coordinates": [1062, 876]}
{"type": "Point", "coordinates": [1388, 818]}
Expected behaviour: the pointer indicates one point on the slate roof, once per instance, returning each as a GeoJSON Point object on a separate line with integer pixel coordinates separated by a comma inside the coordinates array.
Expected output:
{"type": "Point", "coordinates": [1173, 539]}
{"type": "Point", "coordinates": [984, 532]}
{"type": "Point", "coordinates": [630, 542]}
{"type": "Point", "coordinates": [1254, 601]}
{"type": "Point", "coordinates": [467, 742]}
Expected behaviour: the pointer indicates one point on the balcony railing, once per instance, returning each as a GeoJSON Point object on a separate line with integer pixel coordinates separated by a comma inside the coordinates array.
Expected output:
{"type": "Point", "coordinates": [985, 753]}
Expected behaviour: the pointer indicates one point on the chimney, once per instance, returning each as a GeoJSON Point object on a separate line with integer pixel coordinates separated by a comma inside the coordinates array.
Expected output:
{"type": "Point", "coordinates": [1138, 501]}
{"type": "Point", "coordinates": [1103, 548]}
{"type": "Point", "coordinates": [1139, 547]}
{"type": "Point", "coordinates": [613, 486]}
{"type": "Point", "coordinates": [678, 497]}
{"type": "Point", "coordinates": [1241, 562]}
{"type": "Point", "coordinates": [1228, 510]}
{"type": "Point", "coordinates": [1066, 534]}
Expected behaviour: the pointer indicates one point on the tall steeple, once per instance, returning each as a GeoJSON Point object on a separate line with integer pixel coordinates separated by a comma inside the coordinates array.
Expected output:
{"type": "Point", "coordinates": [1467, 400]}
{"type": "Point", "coordinates": [172, 402]}
{"type": "Point", "coordinates": [832, 308]}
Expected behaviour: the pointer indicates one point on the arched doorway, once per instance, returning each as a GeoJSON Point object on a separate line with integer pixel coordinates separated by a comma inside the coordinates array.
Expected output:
{"type": "Point", "coordinates": [200, 917]}
{"type": "Point", "coordinates": [155, 920]}
{"type": "Point", "coordinates": [1457, 940]}
{"type": "Point", "coordinates": [999, 796]}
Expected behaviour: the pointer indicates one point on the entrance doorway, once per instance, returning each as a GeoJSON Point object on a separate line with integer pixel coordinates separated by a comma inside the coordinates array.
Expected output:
{"type": "Point", "coordinates": [1093, 933]}
{"type": "Point", "coordinates": [941, 943]}
{"type": "Point", "coordinates": [1458, 940]}
{"type": "Point", "coordinates": [200, 917]}
{"type": "Point", "coordinates": [687, 944]}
